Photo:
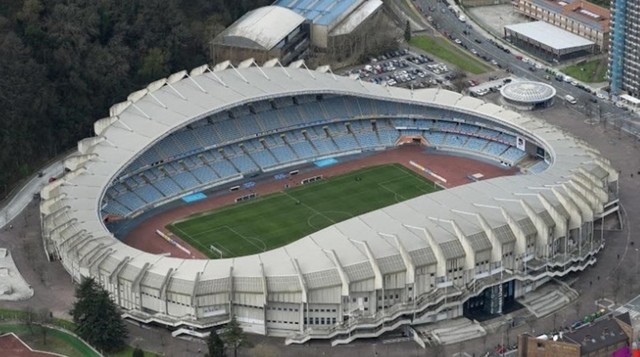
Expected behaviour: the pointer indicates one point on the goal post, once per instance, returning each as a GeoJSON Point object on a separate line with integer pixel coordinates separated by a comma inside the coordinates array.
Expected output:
{"type": "Point", "coordinates": [215, 250]}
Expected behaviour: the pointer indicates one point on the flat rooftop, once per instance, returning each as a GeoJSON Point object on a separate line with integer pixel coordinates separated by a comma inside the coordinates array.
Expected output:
{"type": "Point", "coordinates": [549, 35]}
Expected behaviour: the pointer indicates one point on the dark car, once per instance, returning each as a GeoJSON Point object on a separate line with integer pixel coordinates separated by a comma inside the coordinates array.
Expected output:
{"type": "Point", "coordinates": [477, 40]}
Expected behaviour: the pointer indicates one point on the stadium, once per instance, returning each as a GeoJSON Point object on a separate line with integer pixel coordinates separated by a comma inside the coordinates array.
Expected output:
{"type": "Point", "coordinates": [218, 131]}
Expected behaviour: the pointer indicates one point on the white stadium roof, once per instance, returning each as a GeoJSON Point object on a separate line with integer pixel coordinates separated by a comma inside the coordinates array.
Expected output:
{"type": "Point", "coordinates": [262, 28]}
{"type": "Point", "coordinates": [444, 224]}
{"type": "Point", "coordinates": [549, 35]}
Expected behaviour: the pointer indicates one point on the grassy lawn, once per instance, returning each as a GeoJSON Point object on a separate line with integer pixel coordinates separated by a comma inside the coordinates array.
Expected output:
{"type": "Point", "coordinates": [593, 71]}
{"type": "Point", "coordinates": [451, 53]}
{"type": "Point", "coordinates": [57, 341]}
{"type": "Point", "coordinates": [278, 219]}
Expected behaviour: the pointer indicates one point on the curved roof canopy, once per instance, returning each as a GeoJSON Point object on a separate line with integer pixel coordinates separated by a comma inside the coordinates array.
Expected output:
{"type": "Point", "coordinates": [262, 28]}
{"type": "Point", "coordinates": [528, 91]}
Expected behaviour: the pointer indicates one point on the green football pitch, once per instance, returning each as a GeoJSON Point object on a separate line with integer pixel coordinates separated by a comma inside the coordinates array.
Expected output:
{"type": "Point", "coordinates": [277, 219]}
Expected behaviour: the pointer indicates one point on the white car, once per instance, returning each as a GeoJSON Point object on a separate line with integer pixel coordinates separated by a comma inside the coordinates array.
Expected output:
{"type": "Point", "coordinates": [574, 83]}
{"type": "Point", "coordinates": [457, 40]}
{"type": "Point", "coordinates": [601, 96]}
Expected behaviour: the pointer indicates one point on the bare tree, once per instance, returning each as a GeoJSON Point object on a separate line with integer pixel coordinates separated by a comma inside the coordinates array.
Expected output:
{"type": "Point", "coordinates": [459, 81]}
{"type": "Point", "coordinates": [577, 305]}
{"type": "Point", "coordinates": [28, 318]}
{"type": "Point", "coordinates": [44, 318]}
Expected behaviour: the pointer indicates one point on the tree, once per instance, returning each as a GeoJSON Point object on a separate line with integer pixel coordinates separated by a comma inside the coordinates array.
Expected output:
{"type": "Point", "coordinates": [137, 352]}
{"type": "Point", "coordinates": [407, 32]}
{"type": "Point", "coordinates": [233, 336]}
{"type": "Point", "coordinates": [44, 318]}
{"type": "Point", "coordinates": [28, 318]}
{"type": "Point", "coordinates": [215, 345]}
{"type": "Point", "coordinates": [97, 318]}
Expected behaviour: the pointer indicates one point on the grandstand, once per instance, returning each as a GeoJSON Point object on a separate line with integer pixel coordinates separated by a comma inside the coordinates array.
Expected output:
{"type": "Point", "coordinates": [426, 259]}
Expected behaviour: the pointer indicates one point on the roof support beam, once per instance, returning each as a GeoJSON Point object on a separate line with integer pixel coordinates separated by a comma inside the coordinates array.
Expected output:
{"type": "Point", "coordinates": [377, 281]}
{"type": "Point", "coordinates": [406, 258]}
{"type": "Point", "coordinates": [343, 276]}
{"type": "Point", "coordinates": [135, 285]}
{"type": "Point", "coordinates": [303, 284]}
{"type": "Point", "coordinates": [118, 269]}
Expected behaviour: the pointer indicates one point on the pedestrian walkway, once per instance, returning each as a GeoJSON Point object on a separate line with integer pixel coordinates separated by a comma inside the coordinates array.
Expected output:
{"type": "Point", "coordinates": [450, 331]}
{"type": "Point", "coordinates": [548, 299]}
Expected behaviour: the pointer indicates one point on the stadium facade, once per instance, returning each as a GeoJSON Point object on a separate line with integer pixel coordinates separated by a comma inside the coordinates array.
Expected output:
{"type": "Point", "coordinates": [423, 260]}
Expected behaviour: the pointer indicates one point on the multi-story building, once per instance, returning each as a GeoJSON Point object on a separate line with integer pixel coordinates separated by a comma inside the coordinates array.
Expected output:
{"type": "Point", "coordinates": [624, 60]}
{"type": "Point", "coordinates": [576, 16]}
{"type": "Point", "coordinates": [610, 336]}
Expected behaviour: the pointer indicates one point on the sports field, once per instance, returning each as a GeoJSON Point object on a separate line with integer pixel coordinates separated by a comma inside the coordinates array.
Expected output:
{"type": "Point", "coordinates": [278, 219]}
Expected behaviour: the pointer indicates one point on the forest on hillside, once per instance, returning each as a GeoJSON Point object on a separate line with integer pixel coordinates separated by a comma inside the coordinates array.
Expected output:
{"type": "Point", "coordinates": [64, 63]}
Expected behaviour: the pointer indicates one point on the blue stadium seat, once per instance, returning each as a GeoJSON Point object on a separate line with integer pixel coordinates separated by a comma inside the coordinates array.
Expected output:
{"type": "Point", "coordinates": [244, 163]}
{"type": "Point", "coordinates": [495, 148]}
{"type": "Point", "coordinates": [205, 174]}
{"type": "Point", "coordinates": [263, 158]}
{"type": "Point", "coordinates": [434, 138]}
{"type": "Point", "coordinates": [475, 144]}
{"type": "Point", "coordinates": [283, 153]}
{"type": "Point", "coordinates": [513, 155]}
{"type": "Point", "coordinates": [131, 201]}
{"type": "Point", "coordinates": [148, 193]}
{"type": "Point", "coordinates": [303, 149]}
{"type": "Point", "coordinates": [167, 187]}
{"type": "Point", "coordinates": [186, 180]}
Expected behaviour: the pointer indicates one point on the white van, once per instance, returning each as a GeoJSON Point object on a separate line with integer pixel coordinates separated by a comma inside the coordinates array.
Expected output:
{"type": "Point", "coordinates": [570, 99]}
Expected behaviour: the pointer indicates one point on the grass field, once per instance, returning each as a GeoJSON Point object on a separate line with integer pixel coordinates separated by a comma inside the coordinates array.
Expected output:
{"type": "Point", "coordinates": [593, 71]}
{"type": "Point", "coordinates": [278, 219]}
{"type": "Point", "coordinates": [57, 341]}
{"type": "Point", "coordinates": [451, 53]}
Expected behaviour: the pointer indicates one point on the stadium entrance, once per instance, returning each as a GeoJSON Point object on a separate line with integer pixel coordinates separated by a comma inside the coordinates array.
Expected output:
{"type": "Point", "coordinates": [492, 302]}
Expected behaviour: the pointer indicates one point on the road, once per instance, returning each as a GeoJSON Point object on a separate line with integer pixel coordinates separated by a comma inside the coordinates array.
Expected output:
{"type": "Point", "coordinates": [446, 21]}
{"type": "Point", "coordinates": [19, 201]}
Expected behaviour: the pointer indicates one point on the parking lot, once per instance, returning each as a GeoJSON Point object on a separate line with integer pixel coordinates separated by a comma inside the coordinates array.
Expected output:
{"type": "Point", "coordinates": [404, 68]}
